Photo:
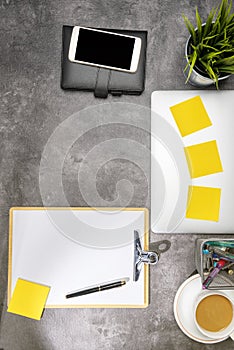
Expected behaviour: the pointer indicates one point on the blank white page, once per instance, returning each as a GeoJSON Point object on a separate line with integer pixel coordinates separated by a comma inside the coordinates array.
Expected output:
{"type": "Point", "coordinates": [42, 252]}
{"type": "Point", "coordinates": [220, 108]}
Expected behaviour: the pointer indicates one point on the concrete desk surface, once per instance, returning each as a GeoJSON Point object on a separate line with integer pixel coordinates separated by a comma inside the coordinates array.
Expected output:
{"type": "Point", "coordinates": [33, 107]}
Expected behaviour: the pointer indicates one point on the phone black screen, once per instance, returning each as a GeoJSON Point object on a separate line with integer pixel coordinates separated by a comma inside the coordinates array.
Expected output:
{"type": "Point", "coordinates": [104, 49]}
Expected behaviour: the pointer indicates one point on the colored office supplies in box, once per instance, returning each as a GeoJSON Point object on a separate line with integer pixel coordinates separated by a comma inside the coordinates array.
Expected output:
{"type": "Point", "coordinates": [216, 269]}
{"type": "Point", "coordinates": [215, 263]}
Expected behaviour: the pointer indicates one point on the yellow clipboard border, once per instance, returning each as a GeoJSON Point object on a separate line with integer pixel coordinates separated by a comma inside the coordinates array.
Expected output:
{"type": "Point", "coordinates": [146, 247]}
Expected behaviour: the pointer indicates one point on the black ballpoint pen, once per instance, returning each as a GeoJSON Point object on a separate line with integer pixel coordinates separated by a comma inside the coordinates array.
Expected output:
{"type": "Point", "coordinates": [95, 289]}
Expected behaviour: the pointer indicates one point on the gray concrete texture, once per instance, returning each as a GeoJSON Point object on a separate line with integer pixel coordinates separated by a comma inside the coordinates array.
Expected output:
{"type": "Point", "coordinates": [33, 106]}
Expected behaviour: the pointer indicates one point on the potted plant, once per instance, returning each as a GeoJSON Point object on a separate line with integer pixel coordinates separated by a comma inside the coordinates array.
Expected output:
{"type": "Point", "coordinates": [209, 50]}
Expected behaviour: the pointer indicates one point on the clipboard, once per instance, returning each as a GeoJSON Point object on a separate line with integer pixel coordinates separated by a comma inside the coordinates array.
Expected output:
{"type": "Point", "coordinates": [43, 250]}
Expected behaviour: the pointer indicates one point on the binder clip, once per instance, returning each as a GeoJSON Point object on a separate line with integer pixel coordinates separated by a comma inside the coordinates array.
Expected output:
{"type": "Point", "coordinates": [142, 257]}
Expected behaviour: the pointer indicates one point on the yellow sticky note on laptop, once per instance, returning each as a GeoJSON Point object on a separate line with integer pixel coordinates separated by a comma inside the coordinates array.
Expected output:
{"type": "Point", "coordinates": [203, 159]}
{"type": "Point", "coordinates": [28, 299]}
{"type": "Point", "coordinates": [203, 203]}
{"type": "Point", "coordinates": [190, 115]}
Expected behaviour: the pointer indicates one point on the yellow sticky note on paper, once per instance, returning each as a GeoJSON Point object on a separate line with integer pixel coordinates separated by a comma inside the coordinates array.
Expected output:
{"type": "Point", "coordinates": [28, 299]}
{"type": "Point", "coordinates": [203, 203]}
{"type": "Point", "coordinates": [190, 115]}
{"type": "Point", "coordinates": [203, 159]}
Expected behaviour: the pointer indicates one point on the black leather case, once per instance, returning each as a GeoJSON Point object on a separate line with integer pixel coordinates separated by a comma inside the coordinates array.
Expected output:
{"type": "Point", "coordinates": [102, 81]}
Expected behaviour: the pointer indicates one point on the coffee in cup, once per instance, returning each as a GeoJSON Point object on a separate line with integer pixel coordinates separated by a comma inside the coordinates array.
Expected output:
{"type": "Point", "coordinates": [214, 314]}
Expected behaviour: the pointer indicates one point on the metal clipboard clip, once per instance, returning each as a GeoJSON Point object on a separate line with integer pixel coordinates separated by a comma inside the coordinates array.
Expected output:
{"type": "Point", "coordinates": [142, 257]}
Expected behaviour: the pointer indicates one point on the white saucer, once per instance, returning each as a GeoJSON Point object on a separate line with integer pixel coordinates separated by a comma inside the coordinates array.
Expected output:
{"type": "Point", "coordinates": [183, 309]}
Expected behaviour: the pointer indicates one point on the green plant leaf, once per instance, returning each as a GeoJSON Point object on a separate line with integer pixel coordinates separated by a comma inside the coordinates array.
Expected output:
{"type": "Point", "coordinates": [210, 47]}
{"type": "Point", "coordinates": [230, 18]}
{"type": "Point", "coordinates": [210, 37]}
{"type": "Point", "coordinates": [199, 25]}
{"type": "Point", "coordinates": [228, 61]}
{"type": "Point", "coordinates": [227, 70]}
{"type": "Point", "coordinates": [192, 64]}
{"type": "Point", "coordinates": [208, 24]}
{"type": "Point", "coordinates": [210, 56]}
{"type": "Point", "coordinates": [222, 11]}
{"type": "Point", "coordinates": [190, 28]}
{"type": "Point", "coordinates": [210, 72]}
{"type": "Point", "coordinates": [225, 11]}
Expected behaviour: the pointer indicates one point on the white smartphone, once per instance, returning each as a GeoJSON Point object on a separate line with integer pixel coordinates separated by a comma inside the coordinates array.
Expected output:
{"type": "Point", "coordinates": [104, 49]}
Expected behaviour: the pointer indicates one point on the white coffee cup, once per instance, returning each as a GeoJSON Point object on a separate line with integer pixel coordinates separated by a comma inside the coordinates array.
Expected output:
{"type": "Point", "coordinates": [229, 330]}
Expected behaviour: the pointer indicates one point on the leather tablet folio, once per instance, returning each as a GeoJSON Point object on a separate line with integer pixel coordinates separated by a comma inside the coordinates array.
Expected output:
{"type": "Point", "coordinates": [100, 80]}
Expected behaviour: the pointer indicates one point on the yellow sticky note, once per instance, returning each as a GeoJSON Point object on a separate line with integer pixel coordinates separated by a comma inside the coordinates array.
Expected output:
{"type": "Point", "coordinates": [28, 299]}
{"type": "Point", "coordinates": [203, 159]}
{"type": "Point", "coordinates": [203, 203]}
{"type": "Point", "coordinates": [190, 116]}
